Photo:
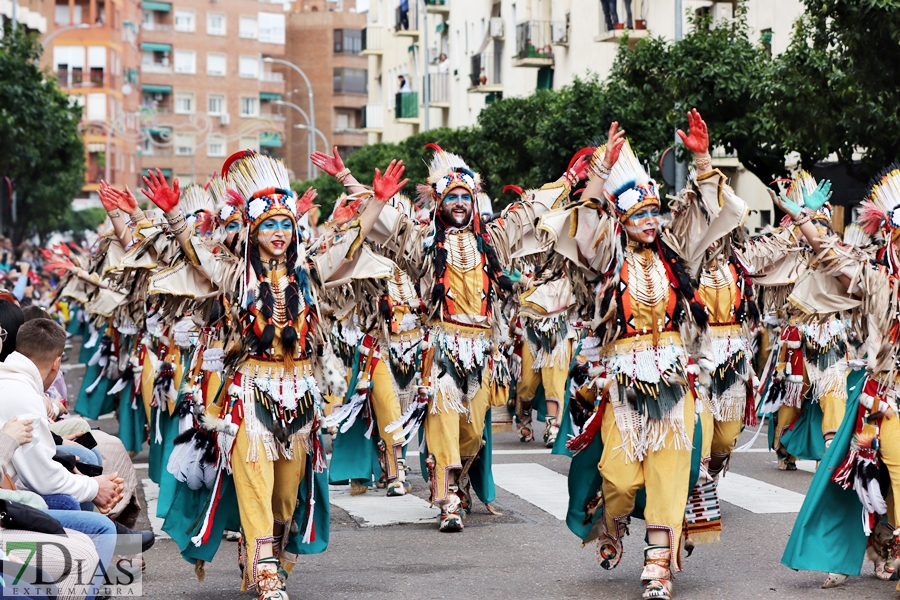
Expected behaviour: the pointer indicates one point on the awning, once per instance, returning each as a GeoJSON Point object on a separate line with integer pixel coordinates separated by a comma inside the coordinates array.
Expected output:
{"type": "Point", "coordinates": [167, 173]}
{"type": "Point", "coordinates": [269, 96]}
{"type": "Point", "coordinates": [157, 6]}
{"type": "Point", "coordinates": [270, 139]}
{"type": "Point", "coordinates": [156, 89]}
{"type": "Point", "coordinates": [154, 47]}
{"type": "Point", "coordinates": [441, 26]}
{"type": "Point", "coordinates": [159, 130]}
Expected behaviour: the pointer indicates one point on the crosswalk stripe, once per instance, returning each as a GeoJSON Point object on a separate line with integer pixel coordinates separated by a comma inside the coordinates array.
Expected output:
{"type": "Point", "coordinates": [151, 495]}
{"type": "Point", "coordinates": [375, 509]}
{"type": "Point", "coordinates": [757, 496]}
{"type": "Point", "coordinates": [534, 483]}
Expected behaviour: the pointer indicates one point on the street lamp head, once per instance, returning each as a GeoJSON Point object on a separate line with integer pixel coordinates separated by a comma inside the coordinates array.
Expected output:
{"type": "Point", "coordinates": [83, 26]}
{"type": "Point", "coordinates": [268, 59]}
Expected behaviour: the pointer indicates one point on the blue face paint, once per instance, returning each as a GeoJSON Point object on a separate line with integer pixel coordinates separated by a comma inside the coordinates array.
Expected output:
{"type": "Point", "coordinates": [233, 227]}
{"type": "Point", "coordinates": [452, 198]}
{"type": "Point", "coordinates": [273, 225]}
{"type": "Point", "coordinates": [647, 213]}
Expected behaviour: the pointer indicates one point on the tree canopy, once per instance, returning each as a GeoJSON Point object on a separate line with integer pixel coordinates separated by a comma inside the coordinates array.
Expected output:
{"type": "Point", "coordinates": [42, 153]}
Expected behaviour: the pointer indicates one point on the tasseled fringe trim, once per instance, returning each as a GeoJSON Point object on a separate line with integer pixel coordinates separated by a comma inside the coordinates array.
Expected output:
{"type": "Point", "coordinates": [557, 358]}
{"type": "Point", "coordinates": [213, 360]}
{"type": "Point", "coordinates": [449, 397]}
{"type": "Point", "coordinates": [410, 421]}
{"type": "Point", "coordinates": [200, 570]}
{"type": "Point", "coordinates": [793, 394]}
{"type": "Point", "coordinates": [731, 405]}
{"type": "Point", "coordinates": [833, 382]}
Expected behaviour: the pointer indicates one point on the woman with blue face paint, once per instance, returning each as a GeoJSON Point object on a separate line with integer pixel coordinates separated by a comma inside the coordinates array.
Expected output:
{"type": "Point", "coordinates": [264, 418]}
{"type": "Point", "coordinates": [644, 412]}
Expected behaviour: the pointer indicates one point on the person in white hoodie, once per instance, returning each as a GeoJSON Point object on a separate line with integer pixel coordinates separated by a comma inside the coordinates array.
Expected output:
{"type": "Point", "coordinates": [24, 376]}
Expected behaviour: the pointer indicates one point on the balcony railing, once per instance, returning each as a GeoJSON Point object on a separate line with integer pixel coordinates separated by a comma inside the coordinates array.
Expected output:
{"type": "Point", "coordinates": [272, 76]}
{"type": "Point", "coordinates": [440, 87]}
{"type": "Point", "coordinates": [412, 18]}
{"type": "Point", "coordinates": [533, 40]}
{"type": "Point", "coordinates": [486, 70]}
{"type": "Point", "coordinates": [79, 79]}
{"type": "Point", "coordinates": [406, 105]}
{"type": "Point", "coordinates": [157, 27]}
{"type": "Point", "coordinates": [156, 68]}
{"type": "Point", "coordinates": [371, 39]}
{"type": "Point", "coordinates": [373, 116]}
{"type": "Point", "coordinates": [270, 116]}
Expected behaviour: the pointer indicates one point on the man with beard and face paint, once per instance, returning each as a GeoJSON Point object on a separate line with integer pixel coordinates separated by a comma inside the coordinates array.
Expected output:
{"type": "Point", "coordinates": [459, 263]}
{"type": "Point", "coordinates": [642, 294]}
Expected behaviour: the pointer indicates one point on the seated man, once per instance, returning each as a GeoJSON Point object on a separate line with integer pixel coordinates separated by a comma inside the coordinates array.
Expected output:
{"type": "Point", "coordinates": [24, 376]}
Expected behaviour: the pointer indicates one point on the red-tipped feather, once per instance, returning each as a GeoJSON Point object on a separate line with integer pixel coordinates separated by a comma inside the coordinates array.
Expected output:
{"type": "Point", "coordinates": [583, 152]}
{"type": "Point", "coordinates": [234, 157]}
{"type": "Point", "coordinates": [434, 147]}
{"type": "Point", "coordinates": [206, 187]}
{"type": "Point", "coordinates": [233, 198]}
{"type": "Point", "coordinates": [871, 217]}
{"type": "Point", "coordinates": [204, 223]}
{"type": "Point", "coordinates": [514, 188]}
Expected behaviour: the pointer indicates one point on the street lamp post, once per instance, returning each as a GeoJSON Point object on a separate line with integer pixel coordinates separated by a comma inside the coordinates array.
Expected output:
{"type": "Point", "coordinates": [311, 138]}
{"type": "Point", "coordinates": [310, 169]}
{"type": "Point", "coordinates": [318, 132]}
{"type": "Point", "coordinates": [63, 30]}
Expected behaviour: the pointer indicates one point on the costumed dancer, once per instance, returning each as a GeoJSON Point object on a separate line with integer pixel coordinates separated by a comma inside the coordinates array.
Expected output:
{"type": "Point", "coordinates": [645, 411]}
{"type": "Point", "coordinates": [265, 419]}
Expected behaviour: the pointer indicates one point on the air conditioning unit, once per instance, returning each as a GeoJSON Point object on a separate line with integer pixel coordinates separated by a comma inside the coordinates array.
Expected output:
{"type": "Point", "coordinates": [496, 28]}
{"type": "Point", "coordinates": [158, 97]}
{"type": "Point", "coordinates": [224, 119]}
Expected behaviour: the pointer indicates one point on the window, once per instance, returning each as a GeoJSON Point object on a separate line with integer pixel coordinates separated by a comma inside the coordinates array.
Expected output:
{"type": "Point", "coordinates": [185, 62]}
{"type": "Point", "coordinates": [250, 143]}
{"type": "Point", "coordinates": [215, 104]}
{"type": "Point", "coordinates": [249, 67]}
{"type": "Point", "coordinates": [215, 24]}
{"type": "Point", "coordinates": [61, 16]}
{"type": "Point", "coordinates": [185, 179]}
{"type": "Point", "coordinates": [96, 107]}
{"type": "Point", "coordinates": [347, 41]}
{"type": "Point", "coordinates": [271, 28]}
{"type": "Point", "coordinates": [184, 144]}
{"type": "Point", "coordinates": [184, 103]}
{"type": "Point", "coordinates": [248, 27]}
{"type": "Point", "coordinates": [184, 20]}
{"type": "Point", "coordinates": [350, 81]}
{"type": "Point", "coordinates": [215, 145]}
{"type": "Point", "coordinates": [249, 106]}
{"type": "Point", "coordinates": [215, 64]}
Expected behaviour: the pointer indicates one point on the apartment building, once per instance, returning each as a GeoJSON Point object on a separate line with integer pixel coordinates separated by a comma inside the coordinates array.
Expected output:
{"type": "Point", "coordinates": [91, 46]}
{"type": "Point", "coordinates": [204, 90]}
{"type": "Point", "coordinates": [324, 41]}
{"type": "Point", "coordinates": [479, 51]}
{"type": "Point", "coordinates": [33, 15]}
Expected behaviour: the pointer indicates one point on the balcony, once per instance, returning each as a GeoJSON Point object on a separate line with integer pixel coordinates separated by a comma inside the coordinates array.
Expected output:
{"type": "Point", "coordinates": [373, 118]}
{"type": "Point", "coordinates": [372, 44]}
{"type": "Point", "coordinates": [157, 27]}
{"type": "Point", "coordinates": [412, 21]}
{"type": "Point", "coordinates": [406, 107]}
{"type": "Point", "coordinates": [157, 68]}
{"type": "Point", "coordinates": [439, 7]}
{"type": "Point", "coordinates": [271, 116]}
{"type": "Point", "coordinates": [439, 91]}
{"type": "Point", "coordinates": [533, 44]}
{"type": "Point", "coordinates": [612, 30]}
{"type": "Point", "coordinates": [76, 78]}
{"type": "Point", "coordinates": [486, 73]}
{"type": "Point", "coordinates": [271, 76]}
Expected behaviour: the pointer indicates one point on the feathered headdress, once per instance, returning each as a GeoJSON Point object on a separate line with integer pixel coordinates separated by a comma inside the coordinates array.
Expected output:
{"type": "Point", "coordinates": [447, 171]}
{"type": "Point", "coordinates": [228, 202]}
{"type": "Point", "coordinates": [855, 235]}
{"type": "Point", "coordinates": [264, 184]}
{"type": "Point", "coordinates": [629, 187]}
{"type": "Point", "coordinates": [881, 210]}
{"type": "Point", "coordinates": [195, 199]}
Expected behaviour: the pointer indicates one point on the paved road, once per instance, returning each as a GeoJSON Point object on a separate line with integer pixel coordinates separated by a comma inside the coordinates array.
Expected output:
{"type": "Point", "coordinates": [528, 552]}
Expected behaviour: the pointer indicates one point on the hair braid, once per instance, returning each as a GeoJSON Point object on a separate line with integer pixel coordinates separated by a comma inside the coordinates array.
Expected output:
{"type": "Point", "coordinates": [680, 281]}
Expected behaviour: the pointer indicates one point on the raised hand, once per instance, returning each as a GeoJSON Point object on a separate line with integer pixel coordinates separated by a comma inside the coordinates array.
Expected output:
{"type": "Point", "coordinates": [305, 204]}
{"type": "Point", "coordinates": [125, 200]}
{"type": "Point", "coordinates": [59, 265]}
{"type": "Point", "coordinates": [615, 140]}
{"type": "Point", "coordinates": [786, 204]}
{"type": "Point", "coordinates": [821, 195]}
{"type": "Point", "coordinates": [698, 140]}
{"type": "Point", "coordinates": [330, 164]}
{"type": "Point", "coordinates": [159, 192]}
{"type": "Point", "coordinates": [106, 196]}
{"type": "Point", "coordinates": [580, 167]}
{"type": "Point", "coordinates": [344, 212]}
{"type": "Point", "coordinates": [387, 185]}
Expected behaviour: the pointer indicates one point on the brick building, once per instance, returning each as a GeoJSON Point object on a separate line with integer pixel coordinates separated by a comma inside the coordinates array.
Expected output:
{"type": "Point", "coordinates": [324, 40]}
{"type": "Point", "coordinates": [205, 92]}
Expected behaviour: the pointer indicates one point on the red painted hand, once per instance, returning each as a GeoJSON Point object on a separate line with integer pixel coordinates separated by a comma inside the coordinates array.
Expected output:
{"type": "Point", "coordinates": [387, 185]}
{"type": "Point", "coordinates": [106, 196]}
{"type": "Point", "coordinates": [159, 192]}
{"type": "Point", "coordinates": [614, 142]}
{"type": "Point", "coordinates": [344, 212]}
{"type": "Point", "coordinates": [330, 164]}
{"type": "Point", "coordinates": [305, 204]}
{"type": "Point", "coordinates": [125, 200]}
{"type": "Point", "coordinates": [698, 140]}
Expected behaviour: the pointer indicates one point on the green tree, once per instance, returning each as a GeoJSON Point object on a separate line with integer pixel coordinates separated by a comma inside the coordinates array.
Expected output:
{"type": "Point", "coordinates": [42, 153]}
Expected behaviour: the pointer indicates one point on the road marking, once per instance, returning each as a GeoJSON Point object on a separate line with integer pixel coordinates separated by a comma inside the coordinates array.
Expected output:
{"type": "Point", "coordinates": [67, 368]}
{"type": "Point", "coordinates": [534, 483]}
{"type": "Point", "coordinates": [807, 465]}
{"type": "Point", "coordinates": [141, 465]}
{"type": "Point", "coordinates": [523, 451]}
{"type": "Point", "coordinates": [151, 495]}
{"type": "Point", "coordinates": [757, 496]}
{"type": "Point", "coordinates": [375, 509]}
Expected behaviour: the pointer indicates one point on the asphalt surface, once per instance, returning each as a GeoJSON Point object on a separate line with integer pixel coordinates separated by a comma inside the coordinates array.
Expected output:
{"type": "Point", "coordinates": [525, 554]}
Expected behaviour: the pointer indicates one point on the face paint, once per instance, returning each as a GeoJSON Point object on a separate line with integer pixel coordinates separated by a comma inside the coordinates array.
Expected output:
{"type": "Point", "coordinates": [233, 227]}
{"type": "Point", "coordinates": [456, 208]}
{"type": "Point", "coordinates": [276, 224]}
{"type": "Point", "coordinates": [273, 236]}
{"type": "Point", "coordinates": [643, 225]}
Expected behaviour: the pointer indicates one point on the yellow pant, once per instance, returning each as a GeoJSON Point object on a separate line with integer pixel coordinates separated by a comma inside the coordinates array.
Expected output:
{"type": "Point", "coordinates": [266, 494]}
{"type": "Point", "coordinates": [833, 408]}
{"type": "Point", "coordinates": [664, 473]}
{"type": "Point", "coordinates": [786, 416]}
{"type": "Point", "coordinates": [387, 410]}
{"type": "Point", "coordinates": [554, 379]}
{"type": "Point", "coordinates": [719, 437]}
